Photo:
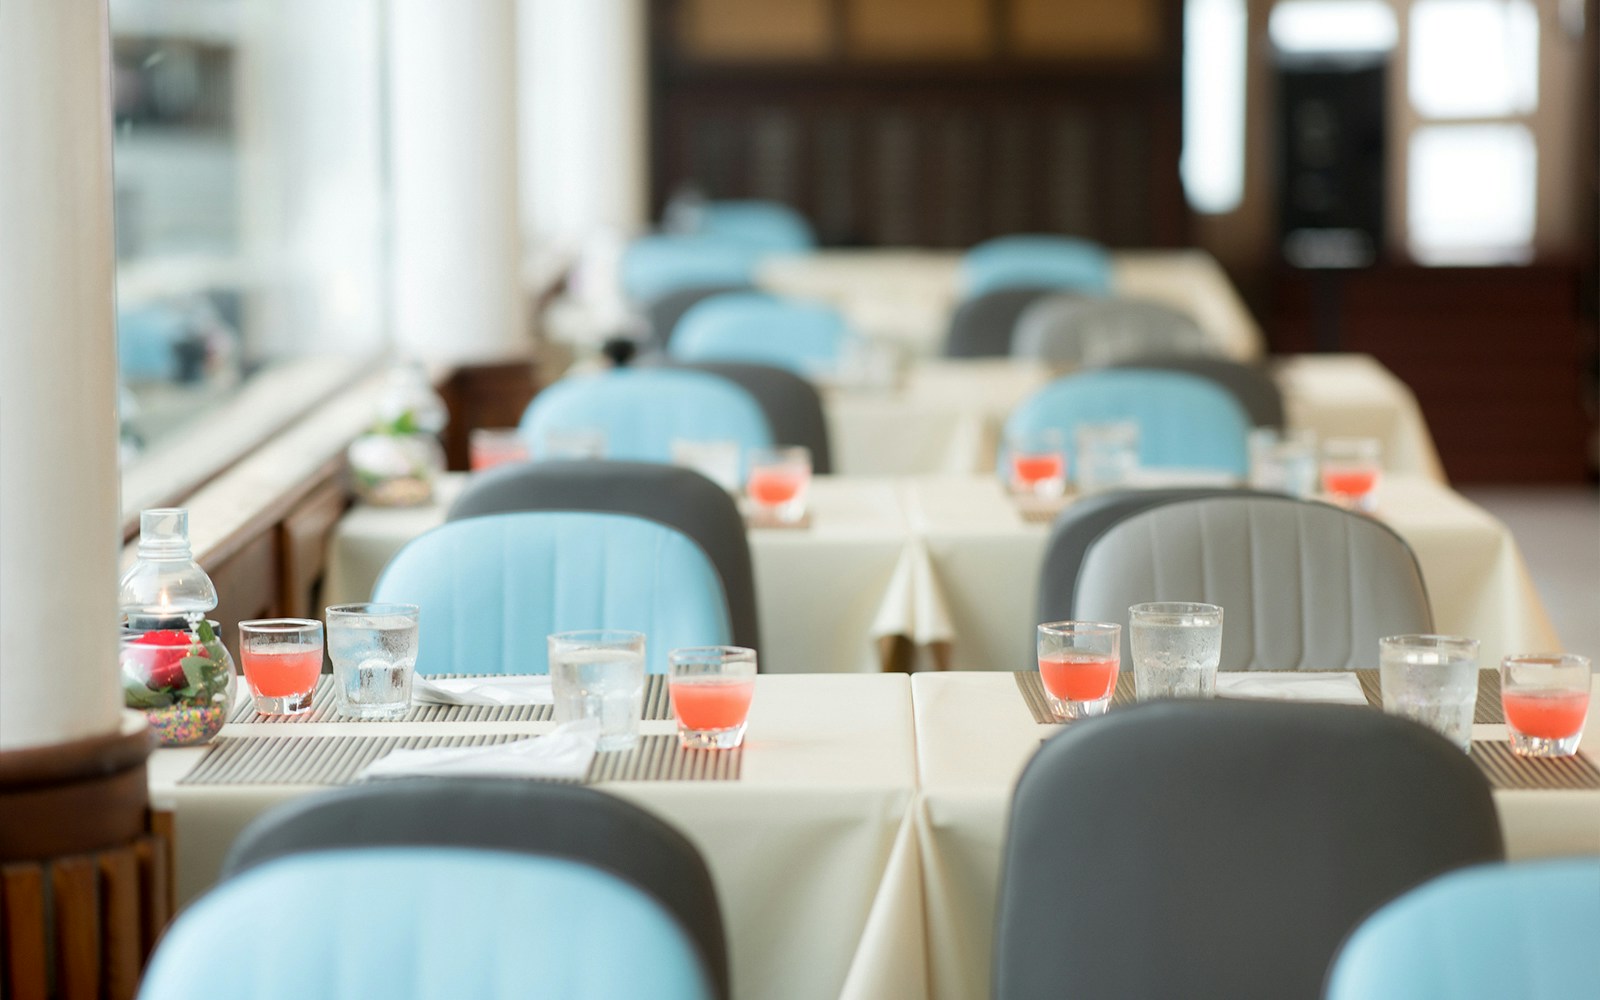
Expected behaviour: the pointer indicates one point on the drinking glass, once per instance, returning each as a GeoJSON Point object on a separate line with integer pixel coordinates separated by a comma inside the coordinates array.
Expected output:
{"type": "Point", "coordinates": [711, 688]}
{"type": "Point", "coordinates": [1176, 649]}
{"type": "Point", "coordinates": [599, 674]}
{"type": "Point", "coordinates": [1038, 462]}
{"type": "Point", "coordinates": [1283, 462]}
{"type": "Point", "coordinates": [1078, 664]}
{"type": "Point", "coordinates": [374, 653]}
{"type": "Point", "coordinates": [1108, 455]}
{"type": "Point", "coordinates": [718, 461]}
{"type": "Point", "coordinates": [778, 481]}
{"type": "Point", "coordinates": [1546, 699]}
{"type": "Point", "coordinates": [573, 443]}
{"type": "Point", "coordinates": [1350, 468]}
{"type": "Point", "coordinates": [281, 659]}
{"type": "Point", "coordinates": [488, 447]}
{"type": "Point", "coordinates": [1431, 679]}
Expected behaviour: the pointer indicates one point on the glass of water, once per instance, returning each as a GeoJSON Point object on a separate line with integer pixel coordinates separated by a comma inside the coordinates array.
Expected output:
{"type": "Point", "coordinates": [1108, 455]}
{"type": "Point", "coordinates": [374, 653]}
{"type": "Point", "coordinates": [1283, 462]}
{"type": "Point", "coordinates": [599, 674]}
{"type": "Point", "coordinates": [1431, 679]}
{"type": "Point", "coordinates": [1176, 648]}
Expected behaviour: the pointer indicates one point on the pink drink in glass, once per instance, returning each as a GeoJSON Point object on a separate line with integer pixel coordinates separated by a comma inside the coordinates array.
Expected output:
{"type": "Point", "coordinates": [774, 487]}
{"type": "Point", "coordinates": [702, 705]}
{"type": "Point", "coordinates": [1045, 473]}
{"type": "Point", "coordinates": [711, 688]}
{"type": "Point", "coordinates": [1078, 664]}
{"type": "Point", "coordinates": [281, 671]}
{"type": "Point", "coordinates": [1548, 715]}
{"type": "Point", "coordinates": [281, 659]}
{"type": "Point", "coordinates": [1546, 701]}
{"type": "Point", "coordinates": [1079, 676]}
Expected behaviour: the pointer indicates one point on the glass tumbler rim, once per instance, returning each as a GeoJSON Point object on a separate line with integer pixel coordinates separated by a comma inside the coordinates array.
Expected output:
{"type": "Point", "coordinates": [1430, 640]}
{"type": "Point", "coordinates": [1074, 627]}
{"type": "Point", "coordinates": [780, 454]}
{"type": "Point", "coordinates": [371, 608]}
{"type": "Point", "coordinates": [1552, 659]}
{"type": "Point", "coordinates": [279, 626]}
{"type": "Point", "coordinates": [1156, 612]}
{"type": "Point", "coordinates": [706, 651]}
{"type": "Point", "coordinates": [596, 636]}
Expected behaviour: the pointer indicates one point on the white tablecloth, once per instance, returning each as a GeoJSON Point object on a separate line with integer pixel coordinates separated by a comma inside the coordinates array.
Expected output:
{"type": "Point", "coordinates": [974, 734]}
{"type": "Point", "coordinates": [986, 558]}
{"type": "Point", "coordinates": [948, 413]}
{"type": "Point", "coordinates": [800, 847]}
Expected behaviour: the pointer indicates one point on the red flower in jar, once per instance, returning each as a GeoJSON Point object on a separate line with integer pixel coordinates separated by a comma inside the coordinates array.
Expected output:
{"type": "Point", "coordinates": [164, 659]}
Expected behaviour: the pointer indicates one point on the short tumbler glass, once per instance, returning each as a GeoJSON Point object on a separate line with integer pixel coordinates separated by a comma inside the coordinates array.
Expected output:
{"type": "Point", "coordinates": [1350, 470]}
{"type": "Point", "coordinates": [1546, 700]}
{"type": "Point", "coordinates": [599, 674]}
{"type": "Point", "coordinates": [1037, 462]}
{"type": "Point", "coordinates": [1431, 679]}
{"type": "Point", "coordinates": [1078, 663]}
{"type": "Point", "coordinates": [778, 481]}
{"type": "Point", "coordinates": [281, 659]}
{"type": "Point", "coordinates": [1176, 649]}
{"type": "Point", "coordinates": [374, 653]}
{"type": "Point", "coordinates": [711, 688]}
{"type": "Point", "coordinates": [1108, 455]}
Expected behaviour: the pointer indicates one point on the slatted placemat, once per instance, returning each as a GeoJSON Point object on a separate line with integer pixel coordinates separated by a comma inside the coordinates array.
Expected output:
{"type": "Point", "coordinates": [1033, 693]}
{"type": "Point", "coordinates": [1505, 770]}
{"type": "Point", "coordinates": [1488, 711]}
{"type": "Point", "coordinates": [336, 760]}
{"type": "Point", "coordinates": [324, 707]}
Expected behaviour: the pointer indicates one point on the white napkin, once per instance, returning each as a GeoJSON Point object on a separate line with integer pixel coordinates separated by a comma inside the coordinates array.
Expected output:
{"type": "Point", "coordinates": [1278, 685]}
{"type": "Point", "coordinates": [523, 689]}
{"type": "Point", "coordinates": [565, 752]}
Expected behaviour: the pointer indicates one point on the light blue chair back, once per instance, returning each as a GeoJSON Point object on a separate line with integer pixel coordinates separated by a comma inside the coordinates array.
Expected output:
{"type": "Point", "coordinates": [642, 410]}
{"type": "Point", "coordinates": [1036, 261]}
{"type": "Point", "coordinates": [769, 226]}
{"type": "Point", "coordinates": [426, 923]}
{"type": "Point", "coordinates": [653, 266]}
{"type": "Point", "coordinates": [492, 588]}
{"type": "Point", "coordinates": [1185, 421]}
{"type": "Point", "coordinates": [1527, 930]}
{"type": "Point", "coordinates": [756, 328]}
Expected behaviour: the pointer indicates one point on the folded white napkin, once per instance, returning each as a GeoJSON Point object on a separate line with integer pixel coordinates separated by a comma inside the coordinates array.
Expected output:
{"type": "Point", "coordinates": [564, 753]}
{"type": "Point", "coordinates": [1277, 685]}
{"type": "Point", "coordinates": [522, 689]}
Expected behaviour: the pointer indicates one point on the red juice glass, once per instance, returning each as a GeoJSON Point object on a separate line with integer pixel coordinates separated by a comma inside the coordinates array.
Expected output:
{"type": "Point", "coordinates": [1546, 701]}
{"type": "Point", "coordinates": [1078, 664]}
{"type": "Point", "coordinates": [1350, 472]}
{"type": "Point", "coordinates": [281, 659]}
{"type": "Point", "coordinates": [777, 482]}
{"type": "Point", "coordinates": [1036, 463]}
{"type": "Point", "coordinates": [711, 688]}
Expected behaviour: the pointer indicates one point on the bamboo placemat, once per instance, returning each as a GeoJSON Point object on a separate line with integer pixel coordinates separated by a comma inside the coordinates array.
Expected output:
{"type": "Point", "coordinates": [1033, 694]}
{"type": "Point", "coordinates": [336, 760]}
{"type": "Point", "coordinates": [1488, 711]}
{"type": "Point", "coordinates": [324, 707]}
{"type": "Point", "coordinates": [1505, 770]}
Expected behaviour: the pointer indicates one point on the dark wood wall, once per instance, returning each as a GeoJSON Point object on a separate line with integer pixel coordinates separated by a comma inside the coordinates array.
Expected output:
{"type": "Point", "coordinates": [960, 120]}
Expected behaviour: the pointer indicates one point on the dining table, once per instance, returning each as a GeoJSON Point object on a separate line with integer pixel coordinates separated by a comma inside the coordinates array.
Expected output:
{"type": "Point", "coordinates": [942, 570]}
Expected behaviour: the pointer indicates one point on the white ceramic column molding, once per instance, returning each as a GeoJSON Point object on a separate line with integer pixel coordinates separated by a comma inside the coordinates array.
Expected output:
{"type": "Point", "coordinates": [453, 178]}
{"type": "Point", "coordinates": [58, 377]}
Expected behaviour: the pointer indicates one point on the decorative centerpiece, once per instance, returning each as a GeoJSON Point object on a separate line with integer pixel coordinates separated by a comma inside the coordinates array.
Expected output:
{"type": "Point", "coordinates": [174, 667]}
{"type": "Point", "coordinates": [396, 462]}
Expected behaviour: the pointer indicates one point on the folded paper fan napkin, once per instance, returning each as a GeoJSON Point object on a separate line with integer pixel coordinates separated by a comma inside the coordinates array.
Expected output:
{"type": "Point", "coordinates": [564, 754]}
{"type": "Point", "coordinates": [509, 689]}
{"type": "Point", "coordinates": [1285, 685]}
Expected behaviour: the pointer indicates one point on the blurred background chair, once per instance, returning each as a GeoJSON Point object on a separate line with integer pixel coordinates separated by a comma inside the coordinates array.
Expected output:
{"type": "Point", "coordinates": [757, 328]}
{"type": "Point", "coordinates": [654, 266]}
{"type": "Point", "coordinates": [792, 405]}
{"type": "Point", "coordinates": [492, 587]}
{"type": "Point", "coordinates": [642, 411]}
{"type": "Point", "coordinates": [1061, 262]}
{"type": "Point", "coordinates": [769, 226]}
{"type": "Point", "coordinates": [662, 314]}
{"type": "Point", "coordinates": [982, 326]}
{"type": "Point", "coordinates": [1251, 385]}
{"type": "Point", "coordinates": [678, 498]}
{"type": "Point", "coordinates": [1185, 422]}
{"type": "Point", "coordinates": [1074, 330]}
{"type": "Point", "coordinates": [1525, 930]}
{"type": "Point", "coordinates": [1305, 586]}
{"type": "Point", "coordinates": [1223, 848]}
{"type": "Point", "coordinates": [534, 818]}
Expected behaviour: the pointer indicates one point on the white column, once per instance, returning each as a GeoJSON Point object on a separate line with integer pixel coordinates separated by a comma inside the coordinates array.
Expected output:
{"type": "Point", "coordinates": [453, 176]}
{"type": "Point", "coordinates": [58, 377]}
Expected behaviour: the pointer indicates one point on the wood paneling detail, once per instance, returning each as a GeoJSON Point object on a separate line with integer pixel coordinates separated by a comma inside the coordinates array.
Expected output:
{"type": "Point", "coordinates": [1086, 29]}
{"type": "Point", "coordinates": [755, 29]}
{"type": "Point", "coordinates": [918, 29]}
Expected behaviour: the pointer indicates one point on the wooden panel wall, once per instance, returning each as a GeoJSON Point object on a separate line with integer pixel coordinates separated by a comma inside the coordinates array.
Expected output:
{"type": "Point", "coordinates": [937, 123]}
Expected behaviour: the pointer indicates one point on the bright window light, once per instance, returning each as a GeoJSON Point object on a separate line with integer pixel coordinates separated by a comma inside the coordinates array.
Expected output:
{"type": "Point", "coordinates": [1212, 163]}
{"type": "Point", "coordinates": [1474, 58]}
{"type": "Point", "coordinates": [1470, 194]}
{"type": "Point", "coordinates": [1332, 26]}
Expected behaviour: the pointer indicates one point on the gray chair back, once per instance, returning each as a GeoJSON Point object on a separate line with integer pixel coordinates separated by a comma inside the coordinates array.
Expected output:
{"type": "Point", "coordinates": [663, 313]}
{"type": "Point", "coordinates": [679, 498]}
{"type": "Point", "coordinates": [1250, 384]}
{"type": "Point", "coordinates": [1070, 330]}
{"type": "Point", "coordinates": [791, 405]}
{"type": "Point", "coordinates": [1221, 850]}
{"type": "Point", "coordinates": [982, 326]}
{"type": "Point", "coordinates": [525, 817]}
{"type": "Point", "coordinates": [1303, 585]}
